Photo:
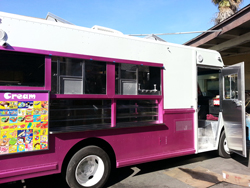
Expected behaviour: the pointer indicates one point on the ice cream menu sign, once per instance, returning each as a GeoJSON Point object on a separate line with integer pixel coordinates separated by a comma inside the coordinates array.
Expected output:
{"type": "Point", "coordinates": [23, 122]}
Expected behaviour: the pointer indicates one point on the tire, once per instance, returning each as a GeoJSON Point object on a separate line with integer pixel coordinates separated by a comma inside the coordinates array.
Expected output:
{"type": "Point", "coordinates": [223, 147]}
{"type": "Point", "coordinates": [89, 167]}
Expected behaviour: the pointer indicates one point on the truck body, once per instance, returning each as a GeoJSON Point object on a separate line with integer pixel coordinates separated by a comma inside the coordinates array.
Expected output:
{"type": "Point", "coordinates": [71, 96]}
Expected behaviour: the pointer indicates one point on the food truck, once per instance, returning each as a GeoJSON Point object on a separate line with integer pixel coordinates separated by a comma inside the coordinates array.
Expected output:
{"type": "Point", "coordinates": [82, 101]}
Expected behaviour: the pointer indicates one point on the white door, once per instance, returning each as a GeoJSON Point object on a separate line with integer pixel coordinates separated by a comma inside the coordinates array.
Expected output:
{"type": "Point", "coordinates": [232, 95]}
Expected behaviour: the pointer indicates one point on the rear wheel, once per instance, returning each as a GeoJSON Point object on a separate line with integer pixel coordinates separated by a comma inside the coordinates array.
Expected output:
{"type": "Point", "coordinates": [223, 146]}
{"type": "Point", "coordinates": [89, 167]}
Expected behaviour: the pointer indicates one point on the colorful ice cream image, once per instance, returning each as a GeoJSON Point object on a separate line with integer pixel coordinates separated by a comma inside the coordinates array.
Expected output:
{"type": "Point", "coordinates": [23, 124]}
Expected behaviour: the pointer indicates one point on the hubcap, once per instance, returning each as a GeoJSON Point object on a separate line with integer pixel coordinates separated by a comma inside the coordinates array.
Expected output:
{"type": "Point", "coordinates": [226, 146]}
{"type": "Point", "coordinates": [89, 171]}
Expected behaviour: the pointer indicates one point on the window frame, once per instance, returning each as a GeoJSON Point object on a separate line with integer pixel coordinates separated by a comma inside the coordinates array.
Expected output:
{"type": "Point", "coordinates": [47, 73]}
{"type": "Point", "coordinates": [110, 80]}
{"type": "Point", "coordinates": [230, 87]}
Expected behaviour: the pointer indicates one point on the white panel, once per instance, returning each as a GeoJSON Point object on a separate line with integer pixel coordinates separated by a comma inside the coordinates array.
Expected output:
{"type": "Point", "coordinates": [209, 58]}
{"type": "Point", "coordinates": [42, 34]}
{"type": "Point", "coordinates": [180, 85]}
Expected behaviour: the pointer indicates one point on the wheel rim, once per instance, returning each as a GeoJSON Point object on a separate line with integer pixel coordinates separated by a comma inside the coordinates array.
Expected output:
{"type": "Point", "coordinates": [89, 171]}
{"type": "Point", "coordinates": [226, 149]}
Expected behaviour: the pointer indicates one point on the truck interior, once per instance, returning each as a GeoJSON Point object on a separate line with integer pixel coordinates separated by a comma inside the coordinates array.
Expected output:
{"type": "Point", "coordinates": [208, 90]}
{"type": "Point", "coordinates": [208, 107]}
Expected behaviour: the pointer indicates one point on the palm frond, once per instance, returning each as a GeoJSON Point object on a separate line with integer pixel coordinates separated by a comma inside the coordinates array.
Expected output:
{"type": "Point", "coordinates": [226, 8]}
{"type": "Point", "coordinates": [216, 2]}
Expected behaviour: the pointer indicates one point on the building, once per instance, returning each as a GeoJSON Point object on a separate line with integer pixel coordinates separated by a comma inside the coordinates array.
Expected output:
{"type": "Point", "coordinates": [233, 42]}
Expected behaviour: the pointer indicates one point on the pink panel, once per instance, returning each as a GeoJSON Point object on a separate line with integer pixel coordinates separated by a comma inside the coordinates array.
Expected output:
{"type": "Point", "coordinates": [48, 73]}
{"type": "Point", "coordinates": [180, 111]}
{"type": "Point", "coordinates": [29, 170]}
{"type": "Point", "coordinates": [181, 128]}
{"type": "Point", "coordinates": [131, 146]}
{"type": "Point", "coordinates": [30, 164]}
{"type": "Point", "coordinates": [161, 156]}
{"type": "Point", "coordinates": [161, 101]}
{"type": "Point", "coordinates": [113, 113]}
{"type": "Point", "coordinates": [110, 80]}
{"type": "Point", "coordinates": [21, 96]}
{"type": "Point", "coordinates": [137, 96]}
{"type": "Point", "coordinates": [103, 96]}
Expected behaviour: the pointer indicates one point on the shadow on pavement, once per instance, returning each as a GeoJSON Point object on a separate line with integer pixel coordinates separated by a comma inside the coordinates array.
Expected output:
{"type": "Point", "coordinates": [50, 181]}
{"type": "Point", "coordinates": [174, 162]}
{"type": "Point", "coordinates": [244, 161]}
{"type": "Point", "coordinates": [123, 173]}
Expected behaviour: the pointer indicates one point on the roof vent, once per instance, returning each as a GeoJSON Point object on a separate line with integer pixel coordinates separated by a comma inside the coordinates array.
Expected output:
{"type": "Point", "coordinates": [154, 37]}
{"type": "Point", "coordinates": [105, 29]}
{"type": "Point", "coordinates": [53, 17]}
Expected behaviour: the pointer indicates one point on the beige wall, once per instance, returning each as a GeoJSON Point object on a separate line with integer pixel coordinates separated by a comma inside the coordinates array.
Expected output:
{"type": "Point", "coordinates": [237, 59]}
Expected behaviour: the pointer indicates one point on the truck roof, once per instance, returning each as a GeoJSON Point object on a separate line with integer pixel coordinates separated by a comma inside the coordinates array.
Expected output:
{"type": "Point", "coordinates": [36, 33]}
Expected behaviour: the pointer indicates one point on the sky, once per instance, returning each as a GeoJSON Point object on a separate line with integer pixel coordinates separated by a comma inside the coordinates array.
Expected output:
{"type": "Point", "coordinates": [126, 16]}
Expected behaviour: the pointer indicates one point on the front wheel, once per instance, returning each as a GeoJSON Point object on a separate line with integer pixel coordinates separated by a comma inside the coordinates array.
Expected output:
{"type": "Point", "coordinates": [223, 146]}
{"type": "Point", "coordinates": [89, 167]}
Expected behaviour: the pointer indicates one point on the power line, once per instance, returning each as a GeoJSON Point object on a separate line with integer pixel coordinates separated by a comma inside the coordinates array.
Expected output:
{"type": "Point", "coordinates": [178, 33]}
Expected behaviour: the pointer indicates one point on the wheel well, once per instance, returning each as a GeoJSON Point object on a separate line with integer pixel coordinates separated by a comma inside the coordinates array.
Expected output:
{"type": "Point", "coordinates": [222, 129]}
{"type": "Point", "coordinates": [219, 134]}
{"type": "Point", "coordinates": [247, 132]}
{"type": "Point", "coordinates": [87, 142]}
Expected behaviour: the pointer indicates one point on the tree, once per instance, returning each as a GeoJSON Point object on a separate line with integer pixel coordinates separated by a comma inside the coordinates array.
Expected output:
{"type": "Point", "coordinates": [226, 8]}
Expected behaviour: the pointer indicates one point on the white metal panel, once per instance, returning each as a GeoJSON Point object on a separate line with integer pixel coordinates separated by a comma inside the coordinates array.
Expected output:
{"type": "Point", "coordinates": [232, 97]}
{"type": "Point", "coordinates": [180, 79]}
{"type": "Point", "coordinates": [42, 34]}
{"type": "Point", "coordinates": [209, 58]}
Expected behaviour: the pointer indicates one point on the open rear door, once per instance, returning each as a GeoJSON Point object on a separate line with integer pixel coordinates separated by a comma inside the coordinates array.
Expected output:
{"type": "Point", "coordinates": [232, 95]}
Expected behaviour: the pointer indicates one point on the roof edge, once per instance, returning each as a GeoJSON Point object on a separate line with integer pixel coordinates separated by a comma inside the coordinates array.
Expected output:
{"type": "Point", "coordinates": [219, 25]}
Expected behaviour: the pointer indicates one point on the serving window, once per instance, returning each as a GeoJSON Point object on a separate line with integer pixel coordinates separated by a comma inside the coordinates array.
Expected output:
{"type": "Point", "coordinates": [115, 107]}
{"type": "Point", "coordinates": [22, 69]}
{"type": "Point", "coordinates": [78, 76]}
{"type": "Point", "coordinates": [137, 79]}
{"type": "Point", "coordinates": [134, 111]}
{"type": "Point", "coordinates": [74, 114]}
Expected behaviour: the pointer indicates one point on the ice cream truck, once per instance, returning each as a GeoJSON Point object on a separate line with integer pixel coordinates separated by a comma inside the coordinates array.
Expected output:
{"type": "Point", "coordinates": [83, 101]}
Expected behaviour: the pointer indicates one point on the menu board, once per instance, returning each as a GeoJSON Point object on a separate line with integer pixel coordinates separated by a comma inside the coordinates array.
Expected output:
{"type": "Point", "coordinates": [23, 122]}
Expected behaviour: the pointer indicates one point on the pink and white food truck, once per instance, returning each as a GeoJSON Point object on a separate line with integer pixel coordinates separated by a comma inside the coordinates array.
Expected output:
{"type": "Point", "coordinates": [81, 101]}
